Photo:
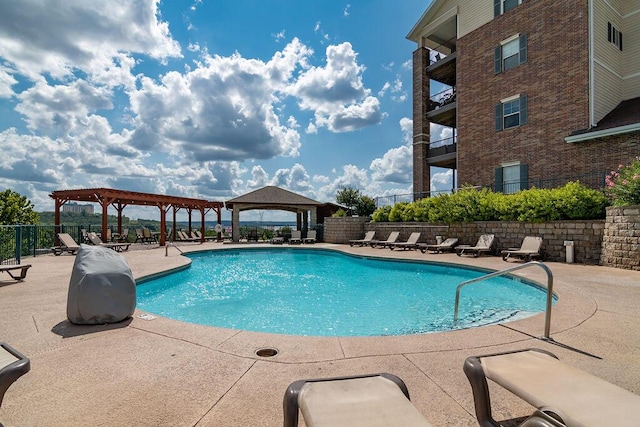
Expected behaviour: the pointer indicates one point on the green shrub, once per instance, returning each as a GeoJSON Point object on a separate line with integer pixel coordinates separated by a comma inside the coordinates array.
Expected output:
{"type": "Point", "coordinates": [381, 214]}
{"type": "Point", "coordinates": [573, 201]}
{"type": "Point", "coordinates": [623, 185]}
{"type": "Point", "coordinates": [395, 215]}
{"type": "Point", "coordinates": [340, 213]}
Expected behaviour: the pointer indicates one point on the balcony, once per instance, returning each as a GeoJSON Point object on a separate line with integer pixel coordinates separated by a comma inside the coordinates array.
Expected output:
{"type": "Point", "coordinates": [442, 69]}
{"type": "Point", "coordinates": [443, 153]}
{"type": "Point", "coordinates": [441, 108]}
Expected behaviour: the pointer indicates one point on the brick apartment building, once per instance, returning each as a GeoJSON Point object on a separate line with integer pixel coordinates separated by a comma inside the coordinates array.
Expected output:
{"type": "Point", "coordinates": [536, 92]}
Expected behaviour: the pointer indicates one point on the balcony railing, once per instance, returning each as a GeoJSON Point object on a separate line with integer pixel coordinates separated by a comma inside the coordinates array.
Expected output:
{"type": "Point", "coordinates": [442, 99]}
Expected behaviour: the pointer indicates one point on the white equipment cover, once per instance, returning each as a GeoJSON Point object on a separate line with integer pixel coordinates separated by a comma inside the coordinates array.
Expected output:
{"type": "Point", "coordinates": [101, 289]}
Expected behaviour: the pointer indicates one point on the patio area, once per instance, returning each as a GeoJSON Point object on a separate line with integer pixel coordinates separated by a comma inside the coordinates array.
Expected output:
{"type": "Point", "coordinates": [163, 372]}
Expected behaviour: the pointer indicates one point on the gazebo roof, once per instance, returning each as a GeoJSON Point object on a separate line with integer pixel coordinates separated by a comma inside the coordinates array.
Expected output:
{"type": "Point", "coordinates": [272, 197]}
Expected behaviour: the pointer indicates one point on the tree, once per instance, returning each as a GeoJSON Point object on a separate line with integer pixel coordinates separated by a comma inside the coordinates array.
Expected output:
{"type": "Point", "coordinates": [357, 202]}
{"type": "Point", "coordinates": [16, 209]}
{"type": "Point", "coordinates": [348, 196]}
{"type": "Point", "coordinates": [366, 206]}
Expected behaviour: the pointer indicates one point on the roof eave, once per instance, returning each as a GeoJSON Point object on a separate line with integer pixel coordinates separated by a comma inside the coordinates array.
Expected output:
{"type": "Point", "coordinates": [602, 133]}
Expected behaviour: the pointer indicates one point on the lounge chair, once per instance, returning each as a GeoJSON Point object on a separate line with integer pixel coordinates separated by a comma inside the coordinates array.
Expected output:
{"type": "Point", "coordinates": [13, 365]}
{"type": "Point", "coordinates": [368, 237]}
{"type": "Point", "coordinates": [447, 245]}
{"type": "Point", "coordinates": [411, 243]}
{"type": "Point", "coordinates": [383, 243]}
{"type": "Point", "coordinates": [252, 235]}
{"type": "Point", "coordinates": [296, 237]}
{"type": "Point", "coordinates": [184, 237]}
{"type": "Point", "coordinates": [484, 245]}
{"type": "Point", "coordinates": [9, 269]}
{"type": "Point", "coordinates": [67, 244]}
{"type": "Point", "coordinates": [118, 247]}
{"type": "Point", "coordinates": [122, 238]}
{"type": "Point", "coordinates": [571, 396]}
{"type": "Point", "coordinates": [149, 237]}
{"type": "Point", "coordinates": [529, 249]}
{"type": "Point", "coordinates": [311, 237]}
{"type": "Point", "coordinates": [367, 400]}
{"type": "Point", "coordinates": [139, 235]}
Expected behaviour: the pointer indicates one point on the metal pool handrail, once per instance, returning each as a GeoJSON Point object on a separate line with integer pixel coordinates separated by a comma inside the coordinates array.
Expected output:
{"type": "Point", "coordinates": [547, 317]}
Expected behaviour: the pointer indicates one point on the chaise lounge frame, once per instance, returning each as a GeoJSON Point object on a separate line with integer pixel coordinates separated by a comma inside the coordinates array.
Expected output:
{"type": "Point", "coordinates": [13, 365]}
{"type": "Point", "coordinates": [569, 395]}
{"type": "Point", "coordinates": [16, 276]}
{"type": "Point", "coordinates": [365, 400]}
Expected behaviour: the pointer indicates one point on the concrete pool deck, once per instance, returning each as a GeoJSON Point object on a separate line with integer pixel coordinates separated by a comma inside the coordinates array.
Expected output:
{"type": "Point", "coordinates": [163, 372]}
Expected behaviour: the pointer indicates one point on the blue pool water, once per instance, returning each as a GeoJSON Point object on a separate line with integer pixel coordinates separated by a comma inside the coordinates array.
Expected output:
{"type": "Point", "coordinates": [327, 293]}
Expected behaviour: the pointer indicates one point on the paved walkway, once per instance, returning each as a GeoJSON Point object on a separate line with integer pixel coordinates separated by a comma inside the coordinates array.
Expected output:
{"type": "Point", "coordinates": [163, 372]}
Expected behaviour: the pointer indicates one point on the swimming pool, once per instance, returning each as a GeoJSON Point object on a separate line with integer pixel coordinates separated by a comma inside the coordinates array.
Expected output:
{"type": "Point", "coordinates": [321, 292]}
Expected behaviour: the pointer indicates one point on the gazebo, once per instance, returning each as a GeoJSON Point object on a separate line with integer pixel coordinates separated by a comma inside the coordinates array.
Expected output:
{"type": "Point", "coordinates": [120, 199]}
{"type": "Point", "coordinates": [273, 198]}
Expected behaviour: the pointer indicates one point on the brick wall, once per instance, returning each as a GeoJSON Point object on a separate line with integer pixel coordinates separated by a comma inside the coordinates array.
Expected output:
{"type": "Point", "coordinates": [555, 78]}
{"type": "Point", "coordinates": [586, 235]}
{"type": "Point", "coordinates": [621, 240]}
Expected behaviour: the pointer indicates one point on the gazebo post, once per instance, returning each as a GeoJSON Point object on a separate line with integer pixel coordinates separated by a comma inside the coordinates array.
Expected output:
{"type": "Point", "coordinates": [219, 211]}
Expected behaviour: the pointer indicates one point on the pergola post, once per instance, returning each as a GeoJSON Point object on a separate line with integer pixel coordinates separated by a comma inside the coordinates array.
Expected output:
{"type": "Point", "coordinates": [105, 206]}
{"type": "Point", "coordinates": [56, 219]}
{"type": "Point", "coordinates": [163, 225]}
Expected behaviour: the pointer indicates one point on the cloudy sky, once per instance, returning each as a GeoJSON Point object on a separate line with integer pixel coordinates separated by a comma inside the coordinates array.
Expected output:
{"type": "Point", "coordinates": [207, 98]}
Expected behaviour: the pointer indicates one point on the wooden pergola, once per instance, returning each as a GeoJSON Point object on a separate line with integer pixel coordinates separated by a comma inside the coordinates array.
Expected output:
{"type": "Point", "coordinates": [119, 199]}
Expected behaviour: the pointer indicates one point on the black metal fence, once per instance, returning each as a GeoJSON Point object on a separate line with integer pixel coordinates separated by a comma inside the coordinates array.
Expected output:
{"type": "Point", "coordinates": [17, 241]}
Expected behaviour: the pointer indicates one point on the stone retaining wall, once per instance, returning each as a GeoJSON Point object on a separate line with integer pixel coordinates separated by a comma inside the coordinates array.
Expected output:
{"type": "Point", "coordinates": [621, 240]}
{"type": "Point", "coordinates": [587, 235]}
{"type": "Point", "coordinates": [343, 229]}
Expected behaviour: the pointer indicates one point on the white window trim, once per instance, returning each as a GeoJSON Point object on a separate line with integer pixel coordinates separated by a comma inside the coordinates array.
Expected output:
{"type": "Point", "coordinates": [511, 98]}
{"type": "Point", "coordinates": [510, 39]}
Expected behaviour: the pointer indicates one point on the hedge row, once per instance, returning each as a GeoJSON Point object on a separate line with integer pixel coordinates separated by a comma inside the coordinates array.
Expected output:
{"type": "Point", "coordinates": [573, 201]}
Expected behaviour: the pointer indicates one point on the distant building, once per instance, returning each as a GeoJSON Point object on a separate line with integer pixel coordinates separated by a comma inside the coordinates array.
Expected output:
{"type": "Point", "coordinates": [533, 93]}
{"type": "Point", "coordinates": [77, 208]}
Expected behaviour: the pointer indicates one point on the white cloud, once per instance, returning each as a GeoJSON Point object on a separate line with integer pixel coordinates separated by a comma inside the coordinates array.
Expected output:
{"type": "Point", "coordinates": [396, 165]}
{"type": "Point", "coordinates": [336, 93]}
{"type": "Point", "coordinates": [345, 12]}
{"type": "Point", "coordinates": [278, 36]}
{"type": "Point", "coordinates": [80, 35]}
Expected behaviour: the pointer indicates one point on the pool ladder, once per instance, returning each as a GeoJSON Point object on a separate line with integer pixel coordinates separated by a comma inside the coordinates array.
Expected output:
{"type": "Point", "coordinates": [547, 317]}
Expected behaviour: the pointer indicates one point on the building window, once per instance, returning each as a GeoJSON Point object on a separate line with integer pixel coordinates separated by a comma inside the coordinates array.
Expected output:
{"type": "Point", "coordinates": [511, 112]}
{"type": "Point", "coordinates": [614, 36]}
{"type": "Point", "coordinates": [504, 6]}
{"type": "Point", "coordinates": [511, 53]}
{"type": "Point", "coordinates": [511, 178]}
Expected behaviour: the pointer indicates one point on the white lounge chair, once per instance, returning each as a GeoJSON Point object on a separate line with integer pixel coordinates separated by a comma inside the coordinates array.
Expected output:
{"type": "Point", "coordinates": [484, 245]}
{"type": "Point", "coordinates": [368, 237]}
{"type": "Point", "coordinates": [411, 243]}
{"type": "Point", "coordinates": [529, 249]}
{"type": "Point", "coordinates": [296, 237]}
{"type": "Point", "coordinates": [377, 400]}
{"type": "Point", "coordinates": [67, 244]}
{"type": "Point", "coordinates": [574, 397]}
{"type": "Point", "coordinates": [311, 237]}
{"type": "Point", "coordinates": [447, 245]}
{"type": "Point", "coordinates": [383, 243]}
{"type": "Point", "coordinates": [118, 247]}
